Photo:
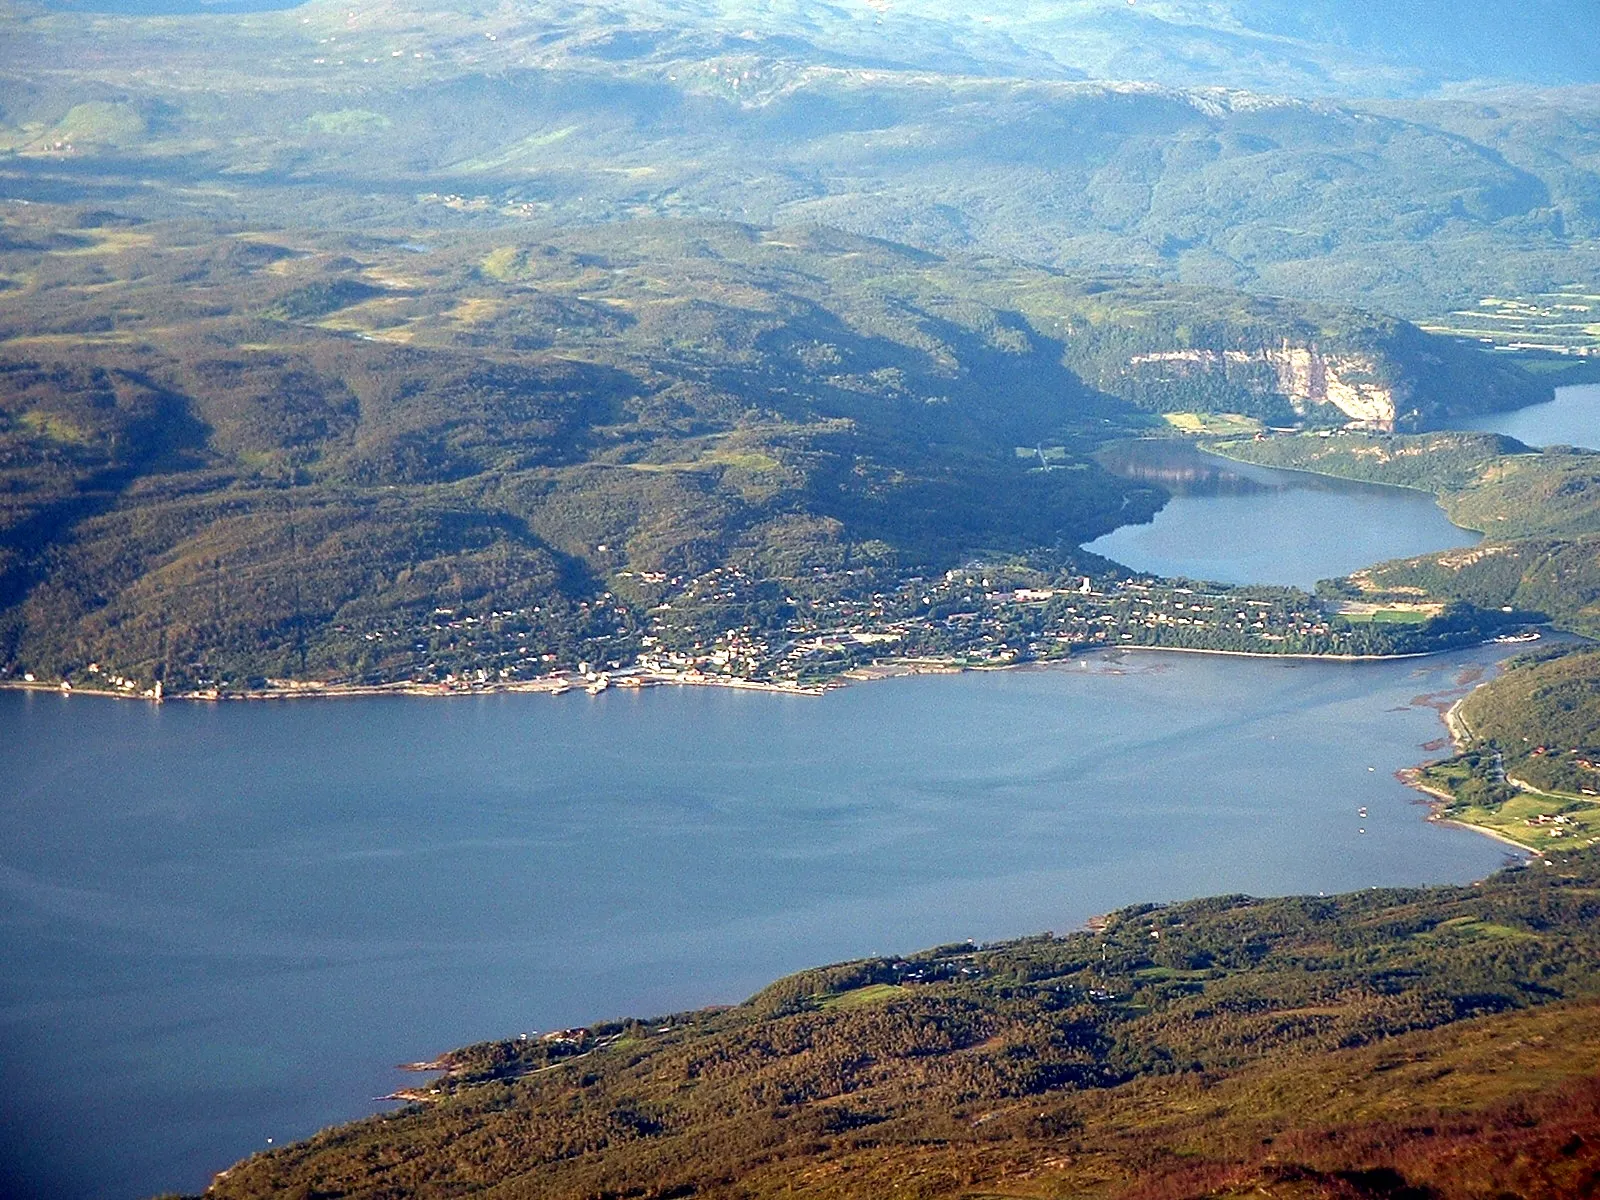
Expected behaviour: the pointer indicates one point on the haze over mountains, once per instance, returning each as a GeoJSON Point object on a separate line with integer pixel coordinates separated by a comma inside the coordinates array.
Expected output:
{"type": "Point", "coordinates": [1323, 47]}
{"type": "Point", "coordinates": [1194, 142]}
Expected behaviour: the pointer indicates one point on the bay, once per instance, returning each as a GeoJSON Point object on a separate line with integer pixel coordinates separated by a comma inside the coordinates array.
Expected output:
{"type": "Point", "coordinates": [1233, 522]}
{"type": "Point", "coordinates": [224, 923]}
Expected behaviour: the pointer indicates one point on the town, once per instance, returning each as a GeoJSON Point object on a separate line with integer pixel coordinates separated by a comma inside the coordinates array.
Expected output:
{"type": "Point", "coordinates": [729, 627]}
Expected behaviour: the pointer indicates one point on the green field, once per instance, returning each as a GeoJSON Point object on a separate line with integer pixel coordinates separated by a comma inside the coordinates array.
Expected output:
{"type": "Point", "coordinates": [1213, 424]}
{"type": "Point", "coordinates": [1564, 321]}
{"type": "Point", "coordinates": [872, 993]}
{"type": "Point", "coordinates": [1388, 616]}
{"type": "Point", "coordinates": [1539, 822]}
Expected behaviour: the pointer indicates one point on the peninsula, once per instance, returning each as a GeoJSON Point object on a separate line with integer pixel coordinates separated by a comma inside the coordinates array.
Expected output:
{"type": "Point", "coordinates": [1219, 1047]}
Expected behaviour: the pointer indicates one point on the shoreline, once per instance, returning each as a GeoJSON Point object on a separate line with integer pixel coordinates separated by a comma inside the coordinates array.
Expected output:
{"type": "Point", "coordinates": [1438, 497]}
{"type": "Point", "coordinates": [556, 685]}
{"type": "Point", "coordinates": [546, 685]}
{"type": "Point", "coordinates": [632, 681]}
{"type": "Point", "coordinates": [1530, 851]}
{"type": "Point", "coordinates": [1455, 724]}
{"type": "Point", "coordinates": [1341, 658]}
{"type": "Point", "coordinates": [1439, 799]}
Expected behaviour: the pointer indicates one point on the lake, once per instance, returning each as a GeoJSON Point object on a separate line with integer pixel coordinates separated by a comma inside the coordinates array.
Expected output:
{"type": "Point", "coordinates": [1571, 419]}
{"type": "Point", "coordinates": [1236, 522]}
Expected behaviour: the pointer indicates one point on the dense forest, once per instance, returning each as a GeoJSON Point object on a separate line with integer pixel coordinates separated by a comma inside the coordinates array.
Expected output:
{"type": "Point", "coordinates": [1437, 1043]}
{"type": "Point", "coordinates": [1544, 716]}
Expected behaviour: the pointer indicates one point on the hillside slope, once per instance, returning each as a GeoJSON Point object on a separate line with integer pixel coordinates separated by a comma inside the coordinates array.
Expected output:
{"type": "Point", "coordinates": [292, 454]}
{"type": "Point", "coordinates": [1437, 1042]}
{"type": "Point", "coordinates": [1527, 766]}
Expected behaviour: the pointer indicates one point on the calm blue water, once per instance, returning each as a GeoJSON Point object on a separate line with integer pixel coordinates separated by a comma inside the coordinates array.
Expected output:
{"type": "Point", "coordinates": [224, 924]}
{"type": "Point", "coordinates": [1571, 419]}
{"type": "Point", "coordinates": [1237, 523]}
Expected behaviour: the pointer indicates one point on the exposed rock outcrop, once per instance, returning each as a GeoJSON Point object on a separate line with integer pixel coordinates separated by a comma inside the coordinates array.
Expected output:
{"type": "Point", "coordinates": [1304, 375]}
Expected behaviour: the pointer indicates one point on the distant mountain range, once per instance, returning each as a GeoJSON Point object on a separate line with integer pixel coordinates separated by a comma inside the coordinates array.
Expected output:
{"type": "Point", "coordinates": [1299, 47]}
{"type": "Point", "coordinates": [1193, 142]}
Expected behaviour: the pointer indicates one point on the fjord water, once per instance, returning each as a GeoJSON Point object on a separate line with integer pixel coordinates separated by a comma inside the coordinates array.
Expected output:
{"type": "Point", "coordinates": [1234, 522]}
{"type": "Point", "coordinates": [223, 924]}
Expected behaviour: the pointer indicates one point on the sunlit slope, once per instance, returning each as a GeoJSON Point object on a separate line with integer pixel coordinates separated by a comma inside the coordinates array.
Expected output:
{"type": "Point", "coordinates": [277, 452]}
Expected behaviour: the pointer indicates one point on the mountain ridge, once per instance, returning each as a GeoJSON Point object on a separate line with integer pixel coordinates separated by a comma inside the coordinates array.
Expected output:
{"type": "Point", "coordinates": [582, 117]}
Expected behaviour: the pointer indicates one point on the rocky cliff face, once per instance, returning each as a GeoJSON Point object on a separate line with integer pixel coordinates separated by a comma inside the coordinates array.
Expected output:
{"type": "Point", "coordinates": [1306, 376]}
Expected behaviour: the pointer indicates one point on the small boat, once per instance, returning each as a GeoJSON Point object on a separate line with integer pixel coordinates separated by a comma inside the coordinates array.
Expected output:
{"type": "Point", "coordinates": [598, 686]}
{"type": "Point", "coordinates": [561, 688]}
{"type": "Point", "coordinates": [1361, 812]}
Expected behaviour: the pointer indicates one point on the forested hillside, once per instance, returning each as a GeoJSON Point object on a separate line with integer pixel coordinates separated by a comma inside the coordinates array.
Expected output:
{"type": "Point", "coordinates": [294, 454]}
{"type": "Point", "coordinates": [1436, 1043]}
{"type": "Point", "coordinates": [1545, 718]}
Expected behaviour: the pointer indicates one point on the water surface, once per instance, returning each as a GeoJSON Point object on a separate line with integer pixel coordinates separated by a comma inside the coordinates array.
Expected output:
{"type": "Point", "coordinates": [1239, 523]}
{"type": "Point", "coordinates": [224, 923]}
{"type": "Point", "coordinates": [1571, 419]}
